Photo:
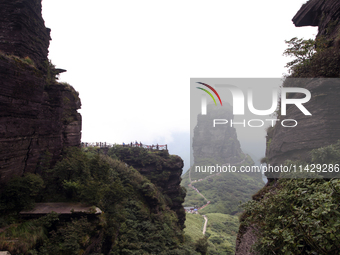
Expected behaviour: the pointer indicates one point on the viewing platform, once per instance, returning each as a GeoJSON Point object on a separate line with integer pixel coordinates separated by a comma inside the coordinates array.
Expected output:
{"type": "Point", "coordinates": [135, 144]}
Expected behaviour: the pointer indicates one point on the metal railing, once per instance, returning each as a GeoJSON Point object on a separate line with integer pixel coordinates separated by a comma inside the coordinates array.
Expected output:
{"type": "Point", "coordinates": [136, 144]}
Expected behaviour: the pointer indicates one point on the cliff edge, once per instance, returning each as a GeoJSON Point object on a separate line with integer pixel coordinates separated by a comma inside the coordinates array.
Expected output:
{"type": "Point", "coordinates": [310, 133]}
{"type": "Point", "coordinates": [162, 169]}
{"type": "Point", "coordinates": [38, 115]}
{"type": "Point", "coordinates": [322, 13]}
{"type": "Point", "coordinates": [323, 128]}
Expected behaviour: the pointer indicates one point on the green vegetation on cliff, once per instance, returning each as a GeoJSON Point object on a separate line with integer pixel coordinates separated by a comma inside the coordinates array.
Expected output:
{"type": "Point", "coordinates": [298, 215]}
{"type": "Point", "coordinates": [313, 58]}
{"type": "Point", "coordinates": [301, 215]}
{"type": "Point", "coordinates": [221, 232]}
{"type": "Point", "coordinates": [137, 216]}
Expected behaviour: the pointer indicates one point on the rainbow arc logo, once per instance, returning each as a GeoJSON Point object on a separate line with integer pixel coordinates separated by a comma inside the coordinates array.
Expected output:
{"type": "Point", "coordinates": [212, 89]}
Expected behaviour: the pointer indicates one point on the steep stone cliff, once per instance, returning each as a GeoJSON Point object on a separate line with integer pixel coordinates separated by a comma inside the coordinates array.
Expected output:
{"type": "Point", "coordinates": [322, 128]}
{"type": "Point", "coordinates": [220, 192]}
{"type": "Point", "coordinates": [22, 30]}
{"type": "Point", "coordinates": [161, 169]}
{"type": "Point", "coordinates": [218, 144]}
{"type": "Point", "coordinates": [311, 132]}
{"type": "Point", "coordinates": [322, 13]}
{"type": "Point", "coordinates": [38, 116]}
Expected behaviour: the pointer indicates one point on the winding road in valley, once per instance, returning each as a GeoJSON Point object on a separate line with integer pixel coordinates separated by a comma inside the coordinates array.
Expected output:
{"type": "Point", "coordinates": [199, 193]}
{"type": "Point", "coordinates": [205, 224]}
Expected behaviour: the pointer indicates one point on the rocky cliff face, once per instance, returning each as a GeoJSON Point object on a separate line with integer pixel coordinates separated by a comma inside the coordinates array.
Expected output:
{"type": "Point", "coordinates": [322, 13]}
{"type": "Point", "coordinates": [218, 144]}
{"type": "Point", "coordinates": [319, 130]}
{"type": "Point", "coordinates": [22, 30]}
{"type": "Point", "coordinates": [38, 116]}
{"type": "Point", "coordinates": [161, 169]}
{"type": "Point", "coordinates": [323, 127]}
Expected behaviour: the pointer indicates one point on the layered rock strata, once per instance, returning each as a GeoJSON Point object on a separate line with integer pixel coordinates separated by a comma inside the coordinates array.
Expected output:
{"type": "Point", "coordinates": [38, 116]}
{"type": "Point", "coordinates": [219, 144]}
{"type": "Point", "coordinates": [22, 30]}
{"type": "Point", "coordinates": [322, 128]}
{"type": "Point", "coordinates": [319, 130]}
{"type": "Point", "coordinates": [322, 13]}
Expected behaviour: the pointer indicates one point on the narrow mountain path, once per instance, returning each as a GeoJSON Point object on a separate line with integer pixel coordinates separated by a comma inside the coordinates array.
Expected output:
{"type": "Point", "coordinates": [209, 176]}
{"type": "Point", "coordinates": [205, 224]}
{"type": "Point", "coordinates": [199, 193]}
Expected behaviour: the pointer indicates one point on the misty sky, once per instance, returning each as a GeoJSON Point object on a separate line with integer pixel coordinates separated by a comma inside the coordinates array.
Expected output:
{"type": "Point", "coordinates": [132, 61]}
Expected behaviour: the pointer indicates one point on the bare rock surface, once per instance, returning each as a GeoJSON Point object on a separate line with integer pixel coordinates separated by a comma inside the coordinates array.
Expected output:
{"type": "Point", "coordinates": [38, 116]}
{"type": "Point", "coordinates": [22, 30]}
{"type": "Point", "coordinates": [322, 13]}
{"type": "Point", "coordinates": [311, 132]}
{"type": "Point", "coordinates": [243, 246]}
{"type": "Point", "coordinates": [323, 128]}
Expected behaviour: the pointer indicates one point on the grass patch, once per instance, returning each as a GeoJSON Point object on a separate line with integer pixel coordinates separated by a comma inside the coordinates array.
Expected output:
{"type": "Point", "coordinates": [221, 231]}
{"type": "Point", "coordinates": [227, 190]}
{"type": "Point", "coordinates": [194, 223]}
{"type": "Point", "coordinates": [23, 237]}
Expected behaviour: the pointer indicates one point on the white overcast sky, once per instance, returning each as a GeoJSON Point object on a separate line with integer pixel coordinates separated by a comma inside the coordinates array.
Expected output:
{"type": "Point", "coordinates": [131, 61]}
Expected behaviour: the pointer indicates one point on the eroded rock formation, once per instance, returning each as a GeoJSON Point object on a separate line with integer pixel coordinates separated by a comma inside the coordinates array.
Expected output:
{"type": "Point", "coordinates": [22, 30]}
{"type": "Point", "coordinates": [322, 128]}
{"type": "Point", "coordinates": [322, 13]}
{"type": "Point", "coordinates": [161, 169]}
{"type": "Point", "coordinates": [218, 144]}
{"type": "Point", "coordinates": [38, 116]}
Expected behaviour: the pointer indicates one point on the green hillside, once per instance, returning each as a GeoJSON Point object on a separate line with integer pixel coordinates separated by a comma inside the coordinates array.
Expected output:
{"type": "Point", "coordinates": [193, 199]}
{"type": "Point", "coordinates": [225, 191]}
{"type": "Point", "coordinates": [137, 217]}
{"type": "Point", "coordinates": [221, 231]}
{"type": "Point", "coordinates": [194, 224]}
{"type": "Point", "coordinates": [215, 193]}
